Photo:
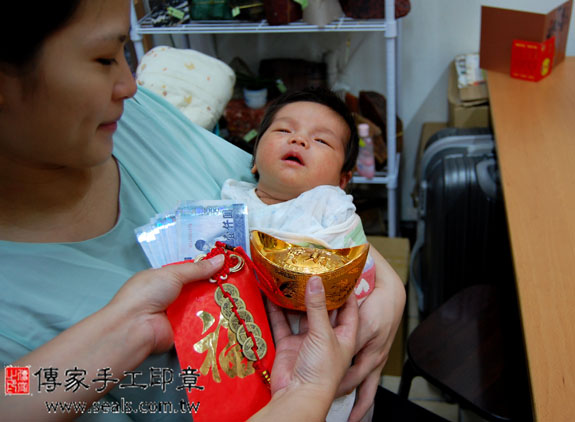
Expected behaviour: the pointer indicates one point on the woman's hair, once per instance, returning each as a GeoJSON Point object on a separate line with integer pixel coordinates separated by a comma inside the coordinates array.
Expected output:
{"type": "Point", "coordinates": [321, 96]}
{"type": "Point", "coordinates": [23, 33]}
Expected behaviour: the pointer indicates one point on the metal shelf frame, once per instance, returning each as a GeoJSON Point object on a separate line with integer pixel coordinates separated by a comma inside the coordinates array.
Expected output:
{"type": "Point", "coordinates": [342, 24]}
{"type": "Point", "coordinates": [388, 26]}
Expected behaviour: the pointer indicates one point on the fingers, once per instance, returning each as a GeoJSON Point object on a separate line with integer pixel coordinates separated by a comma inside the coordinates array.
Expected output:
{"type": "Point", "coordinates": [318, 320]}
{"type": "Point", "coordinates": [364, 397]}
{"type": "Point", "coordinates": [367, 362]}
{"type": "Point", "coordinates": [278, 323]}
{"type": "Point", "coordinates": [347, 321]}
{"type": "Point", "coordinates": [154, 290]}
{"type": "Point", "coordinates": [352, 379]}
{"type": "Point", "coordinates": [201, 270]}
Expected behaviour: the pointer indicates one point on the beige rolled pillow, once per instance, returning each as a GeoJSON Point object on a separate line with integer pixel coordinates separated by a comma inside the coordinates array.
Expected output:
{"type": "Point", "coordinates": [199, 85]}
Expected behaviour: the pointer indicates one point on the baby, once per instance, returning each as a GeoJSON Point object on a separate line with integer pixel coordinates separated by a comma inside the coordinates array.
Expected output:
{"type": "Point", "coordinates": [304, 156]}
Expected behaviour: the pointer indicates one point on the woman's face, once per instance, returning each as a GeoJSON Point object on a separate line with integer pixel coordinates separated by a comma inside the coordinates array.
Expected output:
{"type": "Point", "coordinates": [64, 113]}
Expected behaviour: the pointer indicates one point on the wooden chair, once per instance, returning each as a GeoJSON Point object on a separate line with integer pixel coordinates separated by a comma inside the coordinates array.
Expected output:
{"type": "Point", "coordinates": [471, 348]}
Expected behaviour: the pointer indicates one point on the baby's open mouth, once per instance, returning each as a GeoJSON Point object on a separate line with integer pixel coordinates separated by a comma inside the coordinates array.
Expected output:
{"type": "Point", "coordinates": [294, 158]}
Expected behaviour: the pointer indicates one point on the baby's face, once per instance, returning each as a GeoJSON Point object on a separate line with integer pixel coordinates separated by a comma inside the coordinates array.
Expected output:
{"type": "Point", "coordinates": [304, 147]}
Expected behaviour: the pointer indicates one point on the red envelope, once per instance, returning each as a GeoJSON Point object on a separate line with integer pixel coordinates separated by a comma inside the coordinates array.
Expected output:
{"type": "Point", "coordinates": [216, 325]}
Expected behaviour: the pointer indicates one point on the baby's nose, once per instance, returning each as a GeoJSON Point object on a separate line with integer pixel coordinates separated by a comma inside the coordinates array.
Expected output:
{"type": "Point", "coordinates": [299, 140]}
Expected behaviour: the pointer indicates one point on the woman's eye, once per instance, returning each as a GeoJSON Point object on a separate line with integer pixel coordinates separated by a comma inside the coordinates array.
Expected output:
{"type": "Point", "coordinates": [106, 62]}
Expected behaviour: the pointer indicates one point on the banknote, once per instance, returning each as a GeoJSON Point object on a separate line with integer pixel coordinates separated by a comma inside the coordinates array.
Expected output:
{"type": "Point", "coordinates": [193, 228]}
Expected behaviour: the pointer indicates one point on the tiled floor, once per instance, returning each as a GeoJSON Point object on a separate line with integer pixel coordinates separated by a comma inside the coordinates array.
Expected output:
{"type": "Point", "coordinates": [421, 392]}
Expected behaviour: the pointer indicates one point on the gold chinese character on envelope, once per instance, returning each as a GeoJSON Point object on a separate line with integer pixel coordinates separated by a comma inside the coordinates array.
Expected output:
{"type": "Point", "coordinates": [221, 330]}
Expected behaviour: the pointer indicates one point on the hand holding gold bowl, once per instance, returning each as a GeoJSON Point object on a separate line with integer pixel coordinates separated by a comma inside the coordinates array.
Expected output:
{"type": "Point", "coordinates": [285, 269]}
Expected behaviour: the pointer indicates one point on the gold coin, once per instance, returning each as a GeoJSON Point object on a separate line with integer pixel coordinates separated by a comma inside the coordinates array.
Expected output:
{"type": "Point", "coordinates": [235, 324]}
{"type": "Point", "coordinates": [252, 328]}
{"type": "Point", "coordinates": [227, 307]}
{"type": "Point", "coordinates": [229, 288]}
{"type": "Point", "coordinates": [261, 345]}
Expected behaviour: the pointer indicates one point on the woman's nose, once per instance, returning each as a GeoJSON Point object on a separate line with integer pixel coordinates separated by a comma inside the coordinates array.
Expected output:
{"type": "Point", "coordinates": [299, 140]}
{"type": "Point", "coordinates": [125, 86]}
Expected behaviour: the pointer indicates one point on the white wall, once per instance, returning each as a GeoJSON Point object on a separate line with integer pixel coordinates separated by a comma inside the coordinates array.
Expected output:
{"type": "Point", "coordinates": [432, 34]}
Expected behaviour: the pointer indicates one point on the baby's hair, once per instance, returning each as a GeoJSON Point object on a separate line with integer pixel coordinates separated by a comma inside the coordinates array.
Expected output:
{"type": "Point", "coordinates": [321, 96]}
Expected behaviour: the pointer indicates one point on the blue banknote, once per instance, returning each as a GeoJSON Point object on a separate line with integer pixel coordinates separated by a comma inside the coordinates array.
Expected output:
{"type": "Point", "coordinates": [201, 224]}
{"type": "Point", "coordinates": [193, 228]}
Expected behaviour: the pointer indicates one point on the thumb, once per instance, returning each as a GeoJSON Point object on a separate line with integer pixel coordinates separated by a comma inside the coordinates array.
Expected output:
{"type": "Point", "coordinates": [318, 319]}
{"type": "Point", "coordinates": [186, 272]}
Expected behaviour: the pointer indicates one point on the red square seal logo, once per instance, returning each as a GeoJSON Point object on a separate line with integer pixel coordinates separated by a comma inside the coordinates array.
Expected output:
{"type": "Point", "coordinates": [16, 380]}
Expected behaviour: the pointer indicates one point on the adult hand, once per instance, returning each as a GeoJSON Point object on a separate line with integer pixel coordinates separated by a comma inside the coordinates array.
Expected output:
{"type": "Point", "coordinates": [318, 356]}
{"type": "Point", "coordinates": [119, 336]}
{"type": "Point", "coordinates": [148, 294]}
{"type": "Point", "coordinates": [309, 366]}
{"type": "Point", "coordinates": [379, 318]}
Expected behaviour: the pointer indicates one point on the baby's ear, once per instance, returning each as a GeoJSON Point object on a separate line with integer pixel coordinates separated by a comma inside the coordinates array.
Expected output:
{"type": "Point", "coordinates": [345, 178]}
{"type": "Point", "coordinates": [254, 169]}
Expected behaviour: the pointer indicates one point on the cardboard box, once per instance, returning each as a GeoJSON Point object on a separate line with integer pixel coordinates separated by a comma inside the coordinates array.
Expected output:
{"type": "Point", "coordinates": [470, 78]}
{"type": "Point", "coordinates": [396, 251]}
{"type": "Point", "coordinates": [465, 114]}
{"type": "Point", "coordinates": [500, 27]}
{"type": "Point", "coordinates": [473, 92]}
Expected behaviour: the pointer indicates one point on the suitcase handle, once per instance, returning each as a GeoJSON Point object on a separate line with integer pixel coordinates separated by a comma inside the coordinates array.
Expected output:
{"type": "Point", "coordinates": [487, 177]}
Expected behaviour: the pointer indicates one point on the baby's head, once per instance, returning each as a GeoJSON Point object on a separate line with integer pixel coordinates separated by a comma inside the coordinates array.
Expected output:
{"type": "Point", "coordinates": [306, 139]}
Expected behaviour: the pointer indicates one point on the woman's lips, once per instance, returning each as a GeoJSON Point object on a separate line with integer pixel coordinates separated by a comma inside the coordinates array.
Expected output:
{"type": "Point", "coordinates": [110, 126]}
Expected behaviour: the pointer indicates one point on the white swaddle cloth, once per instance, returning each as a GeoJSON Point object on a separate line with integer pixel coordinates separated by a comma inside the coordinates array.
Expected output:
{"type": "Point", "coordinates": [323, 216]}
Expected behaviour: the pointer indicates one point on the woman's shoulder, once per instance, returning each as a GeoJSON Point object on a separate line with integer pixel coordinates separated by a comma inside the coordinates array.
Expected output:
{"type": "Point", "coordinates": [170, 157]}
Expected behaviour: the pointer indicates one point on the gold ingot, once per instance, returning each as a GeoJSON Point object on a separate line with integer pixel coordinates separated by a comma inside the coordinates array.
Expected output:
{"type": "Point", "coordinates": [288, 267]}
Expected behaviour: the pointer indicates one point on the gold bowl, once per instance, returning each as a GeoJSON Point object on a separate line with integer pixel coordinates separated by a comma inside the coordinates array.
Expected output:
{"type": "Point", "coordinates": [284, 269]}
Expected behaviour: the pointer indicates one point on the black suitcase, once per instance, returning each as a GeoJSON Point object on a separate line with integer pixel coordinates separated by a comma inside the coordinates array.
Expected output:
{"type": "Point", "coordinates": [462, 234]}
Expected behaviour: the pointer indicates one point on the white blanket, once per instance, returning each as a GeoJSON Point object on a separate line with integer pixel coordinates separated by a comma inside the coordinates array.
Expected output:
{"type": "Point", "coordinates": [323, 216]}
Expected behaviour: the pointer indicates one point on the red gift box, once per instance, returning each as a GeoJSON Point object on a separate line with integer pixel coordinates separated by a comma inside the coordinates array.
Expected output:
{"type": "Point", "coordinates": [223, 341]}
{"type": "Point", "coordinates": [531, 60]}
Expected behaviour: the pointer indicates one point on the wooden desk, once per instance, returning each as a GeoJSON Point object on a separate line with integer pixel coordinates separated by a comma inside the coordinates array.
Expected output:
{"type": "Point", "coordinates": [534, 126]}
